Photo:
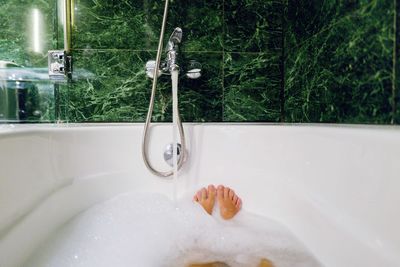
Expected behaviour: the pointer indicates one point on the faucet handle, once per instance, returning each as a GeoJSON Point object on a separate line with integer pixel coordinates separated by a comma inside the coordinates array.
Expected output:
{"type": "Point", "coordinates": [193, 69]}
{"type": "Point", "coordinates": [174, 39]}
{"type": "Point", "coordinates": [150, 66]}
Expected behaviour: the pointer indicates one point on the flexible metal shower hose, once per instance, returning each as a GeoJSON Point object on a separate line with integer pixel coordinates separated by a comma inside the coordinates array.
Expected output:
{"type": "Point", "coordinates": [166, 174]}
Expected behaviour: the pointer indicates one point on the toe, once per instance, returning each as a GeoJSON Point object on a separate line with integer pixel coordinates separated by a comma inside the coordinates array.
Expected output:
{"type": "Point", "coordinates": [211, 191]}
{"type": "Point", "coordinates": [239, 204]}
{"type": "Point", "coordinates": [198, 195]}
{"type": "Point", "coordinates": [231, 194]}
{"type": "Point", "coordinates": [226, 192]}
{"type": "Point", "coordinates": [220, 192]}
{"type": "Point", "coordinates": [203, 194]}
{"type": "Point", "coordinates": [195, 198]}
{"type": "Point", "coordinates": [235, 199]}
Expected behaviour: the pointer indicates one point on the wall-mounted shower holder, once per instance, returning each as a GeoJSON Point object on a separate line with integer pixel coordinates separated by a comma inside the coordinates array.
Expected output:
{"type": "Point", "coordinates": [193, 70]}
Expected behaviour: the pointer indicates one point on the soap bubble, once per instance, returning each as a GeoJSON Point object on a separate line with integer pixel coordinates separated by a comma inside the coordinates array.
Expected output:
{"type": "Point", "coordinates": [150, 230]}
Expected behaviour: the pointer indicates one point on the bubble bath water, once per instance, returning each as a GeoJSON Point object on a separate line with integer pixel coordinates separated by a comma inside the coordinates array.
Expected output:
{"type": "Point", "coordinates": [149, 230]}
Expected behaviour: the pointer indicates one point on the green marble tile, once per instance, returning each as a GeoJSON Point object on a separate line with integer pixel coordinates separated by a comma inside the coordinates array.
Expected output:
{"type": "Point", "coordinates": [133, 25]}
{"type": "Point", "coordinates": [201, 22]}
{"type": "Point", "coordinates": [17, 43]}
{"type": "Point", "coordinates": [200, 100]}
{"type": "Point", "coordinates": [397, 114]}
{"type": "Point", "coordinates": [120, 64]}
{"type": "Point", "coordinates": [31, 98]}
{"type": "Point", "coordinates": [27, 101]}
{"type": "Point", "coordinates": [396, 88]}
{"type": "Point", "coordinates": [111, 86]}
{"type": "Point", "coordinates": [103, 100]}
{"type": "Point", "coordinates": [62, 103]}
{"type": "Point", "coordinates": [125, 24]}
{"type": "Point", "coordinates": [252, 84]}
{"type": "Point", "coordinates": [136, 25]}
{"type": "Point", "coordinates": [307, 18]}
{"type": "Point", "coordinates": [343, 74]}
{"type": "Point", "coordinates": [253, 25]}
{"type": "Point", "coordinates": [344, 112]}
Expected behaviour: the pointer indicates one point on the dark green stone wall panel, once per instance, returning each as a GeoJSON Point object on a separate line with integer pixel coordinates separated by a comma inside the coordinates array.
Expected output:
{"type": "Point", "coordinates": [16, 24]}
{"type": "Point", "coordinates": [252, 25]}
{"type": "Point", "coordinates": [252, 87]}
{"type": "Point", "coordinates": [125, 24]}
{"type": "Point", "coordinates": [104, 100]}
{"type": "Point", "coordinates": [338, 58]}
{"type": "Point", "coordinates": [28, 29]}
{"type": "Point", "coordinates": [201, 100]}
{"type": "Point", "coordinates": [111, 86]}
{"type": "Point", "coordinates": [62, 101]}
{"type": "Point", "coordinates": [309, 17]}
{"type": "Point", "coordinates": [343, 74]}
{"type": "Point", "coordinates": [396, 64]}
{"type": "Point", "coordinates": [201, 22]}
{"type": "Point", "coordinates": [135, 25]}
{"type": "Point", "coordinates": [112, 40]}
{"type": "Point", "coordinates": [115, 63]}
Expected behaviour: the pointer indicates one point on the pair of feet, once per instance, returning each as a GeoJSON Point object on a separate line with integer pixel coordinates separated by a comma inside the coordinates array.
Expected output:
{"type": "Point", "coordinates": [229, 203]}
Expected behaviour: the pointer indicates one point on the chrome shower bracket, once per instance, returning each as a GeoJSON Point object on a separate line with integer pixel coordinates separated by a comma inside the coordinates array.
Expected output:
{"type": "Point", "coordinates": [60, 65]}
{"type": "Point", "coordinates": [193, 71]}
{"type": "Point", "coordinates": [171, 61]}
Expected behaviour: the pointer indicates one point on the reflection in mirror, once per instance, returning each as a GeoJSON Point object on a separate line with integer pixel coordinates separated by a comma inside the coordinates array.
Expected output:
{"type": "Point", "coordinates": [36, 29]}
{"type": "Point", "coordinates": [26, 95]}
{"type": "Point", "coordinates": [29, 30]}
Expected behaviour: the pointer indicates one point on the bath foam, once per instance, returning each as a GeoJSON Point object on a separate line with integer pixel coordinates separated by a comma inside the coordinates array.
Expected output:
{"type": "Point", "coordinates": [149, 230]}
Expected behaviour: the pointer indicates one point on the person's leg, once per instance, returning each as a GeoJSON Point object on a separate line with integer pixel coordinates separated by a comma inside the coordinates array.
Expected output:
{"type": "Point", "coordinates": [206, 198]}
{"type": "Point", "coordinates": [265, 263]}
{"type": "Point", "coordinates": [229, 203]}
{"type": "Point", "coordinates": [212, 264]}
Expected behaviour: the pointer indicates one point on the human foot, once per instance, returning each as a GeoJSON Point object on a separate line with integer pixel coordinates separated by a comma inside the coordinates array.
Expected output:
{"type": "Point", "coordinates": [206, 198]}
{"type": "Point", "coordinates": [229, 203]}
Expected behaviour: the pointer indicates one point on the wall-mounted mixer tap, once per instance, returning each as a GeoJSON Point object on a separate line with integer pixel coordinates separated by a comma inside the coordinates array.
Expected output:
{"type": "Point", "coordinates": [170, 63]}
{"type": "Point", "coordinates": [172, 49]}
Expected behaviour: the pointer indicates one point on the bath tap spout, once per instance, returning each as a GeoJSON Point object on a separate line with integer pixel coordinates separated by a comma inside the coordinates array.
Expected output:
{"type": "Point", "coordinates": [172, 49]}
{"type": "Point", "coordinates": [174, 40]}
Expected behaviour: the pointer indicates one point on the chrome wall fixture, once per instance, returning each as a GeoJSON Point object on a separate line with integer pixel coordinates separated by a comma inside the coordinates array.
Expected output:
{"type": "Point", "coordinates": [154, 69]}
{"type": "Point", "coordinates": [60, 61]}
{"type": "Point", "coordinates": [60, 65]}
{"type": "Point", "coordinates": [171, 61]}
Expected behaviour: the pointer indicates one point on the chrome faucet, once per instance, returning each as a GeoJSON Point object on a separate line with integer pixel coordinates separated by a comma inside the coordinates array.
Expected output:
{"type": "Point", "coordinates": [172, 49]}
{"type": "Point", "coordinates": [170, 63]}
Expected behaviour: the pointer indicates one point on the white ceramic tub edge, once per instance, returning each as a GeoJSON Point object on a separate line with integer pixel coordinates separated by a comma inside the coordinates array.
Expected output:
{"type": "Point", "coordinates": [336, 187]}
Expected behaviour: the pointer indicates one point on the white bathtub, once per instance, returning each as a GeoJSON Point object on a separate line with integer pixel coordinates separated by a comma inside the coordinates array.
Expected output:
{"type": "Point", "coordinates": [336, 187]}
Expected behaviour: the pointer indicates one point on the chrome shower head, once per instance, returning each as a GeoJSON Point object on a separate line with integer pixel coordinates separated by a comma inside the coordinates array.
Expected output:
{"type": "Point", "coordinates": [174, 39]}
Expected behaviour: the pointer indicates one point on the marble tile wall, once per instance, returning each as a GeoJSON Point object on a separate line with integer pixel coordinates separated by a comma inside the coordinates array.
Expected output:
{"type": "Point", "coordinates": [28, 29]}
{"type": "Point", "coordinates": [238, 43]}
{"type": "Point", "coordinates": [339, 61]}
{"type": "Point", "coordinates": [332, 61]}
